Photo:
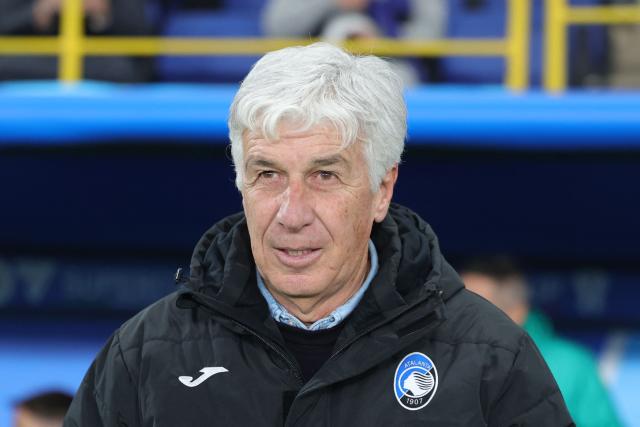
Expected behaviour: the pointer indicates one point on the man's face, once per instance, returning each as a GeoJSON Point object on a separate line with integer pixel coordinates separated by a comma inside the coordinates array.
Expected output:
{"type": "Point", "coordinates": [482, 285]}
{"type": "Point", "coordinates": [500, 294]}
{"type": "Point", "coordinates": [26, 418]}
{"type": "Point", "coordinates": [310, 209]}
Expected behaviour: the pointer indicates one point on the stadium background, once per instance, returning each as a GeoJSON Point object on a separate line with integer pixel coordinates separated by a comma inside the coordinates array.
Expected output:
{"type": "Point", "coordinates": [106, 188]}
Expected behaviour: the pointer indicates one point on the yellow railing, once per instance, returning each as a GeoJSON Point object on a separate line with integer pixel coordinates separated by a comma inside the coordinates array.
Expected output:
{"type": "Point", "coordinates": [72, 45]}
{"type": "Point", "coordinates": [559, 15]}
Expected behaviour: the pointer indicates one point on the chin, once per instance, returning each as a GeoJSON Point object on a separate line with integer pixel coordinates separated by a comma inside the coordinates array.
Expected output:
{"type": "Point", "coordinates": [296, 287]}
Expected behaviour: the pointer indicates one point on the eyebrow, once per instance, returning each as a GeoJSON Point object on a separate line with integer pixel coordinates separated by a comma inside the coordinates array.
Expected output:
{"type": "Point", "coordinates": [253, 161]}
{"type": "Point", "coordinates": [329, 161]}
{"type": "Point", "coordinates": [260, 162]}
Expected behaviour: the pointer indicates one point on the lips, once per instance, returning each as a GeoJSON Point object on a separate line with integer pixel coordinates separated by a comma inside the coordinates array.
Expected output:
{"type": "Point", "coordinates": [297, 257]}
{"type": "Point", "coordinates": [297, 252]}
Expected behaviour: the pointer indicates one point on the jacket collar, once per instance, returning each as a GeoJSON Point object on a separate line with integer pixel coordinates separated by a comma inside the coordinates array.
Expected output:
{"type": "Point", "coordinates": [411, 268]}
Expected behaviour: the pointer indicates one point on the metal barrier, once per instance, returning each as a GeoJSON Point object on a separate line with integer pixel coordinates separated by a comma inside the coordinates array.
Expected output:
{"type": "Point", "coordinates": [559, 15]}
{"type": "Point", "coordinates": [72, 45]}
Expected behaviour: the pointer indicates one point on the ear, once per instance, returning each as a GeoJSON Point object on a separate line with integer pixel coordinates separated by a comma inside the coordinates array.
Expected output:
{"type": "Point", "coordinates": [385, 193]}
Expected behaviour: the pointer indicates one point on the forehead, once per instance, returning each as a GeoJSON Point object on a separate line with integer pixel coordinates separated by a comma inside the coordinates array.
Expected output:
{"type": "Point", "coordinates": [479, 281]}
{"type": "Point", "coordinates": [287, 130]}
{"type": "Point", "coordinates": [300, 145]}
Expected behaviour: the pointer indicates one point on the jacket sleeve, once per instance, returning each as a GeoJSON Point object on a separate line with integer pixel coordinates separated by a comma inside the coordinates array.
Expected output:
{"type": "Point", "coordinates": [291, 18]}
{"type": "Point", "coordinates": [107, 395]}
{"type": "Point", "coordinates": [428, 20]}
{"type": "Point", "coordinates": [529, 395]}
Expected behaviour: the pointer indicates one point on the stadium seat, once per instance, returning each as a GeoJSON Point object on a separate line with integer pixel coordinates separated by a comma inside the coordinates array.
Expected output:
{"type": "Point", "coordinates": [486, 18]}
{"type": "Point", "coordinates": [238, 18]}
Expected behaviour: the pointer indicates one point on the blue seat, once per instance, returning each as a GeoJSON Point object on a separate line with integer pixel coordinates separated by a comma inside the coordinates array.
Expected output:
{"type": "Point", "coordinates": [239, 18]}
{"type": "Point", "coordinates": [587, 45]}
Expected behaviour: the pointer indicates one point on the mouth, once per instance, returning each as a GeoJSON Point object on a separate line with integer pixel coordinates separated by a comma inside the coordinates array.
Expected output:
{"type": "Point", "coordinates": [297, 257]}
{"type": "Point", "coordinates": [297, 252]}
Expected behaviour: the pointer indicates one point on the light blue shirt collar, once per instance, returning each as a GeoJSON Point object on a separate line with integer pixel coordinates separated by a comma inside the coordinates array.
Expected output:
{"type": "Point", "coordinates": [280, 314]}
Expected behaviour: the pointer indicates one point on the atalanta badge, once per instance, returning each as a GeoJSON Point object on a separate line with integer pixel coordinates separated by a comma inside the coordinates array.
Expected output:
{"type": "Point", "coordinates": [415, 381]}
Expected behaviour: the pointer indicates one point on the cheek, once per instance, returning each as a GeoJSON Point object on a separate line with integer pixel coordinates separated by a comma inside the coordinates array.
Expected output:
{"type": "Point", "coordinates": [260, 213]}
{"type": "Point", "coordinates": [253, 218]}
{"type": "Point", "coordinates": [251, 202]}
{"type": "Point", "coordinates": [354, 216]}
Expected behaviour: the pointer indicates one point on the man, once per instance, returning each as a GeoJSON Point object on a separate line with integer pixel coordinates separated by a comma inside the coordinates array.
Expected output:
{"type": "Point", "coordinates": [498, 280]}
{"type": "Point", "coordinates": [42, 410]}
{"type": "Point", "coordinates": [322, 303]}
{"type": "Point", "coordinates": [102, 18]}
{"type": "Point", "coordinates": [339, 20]}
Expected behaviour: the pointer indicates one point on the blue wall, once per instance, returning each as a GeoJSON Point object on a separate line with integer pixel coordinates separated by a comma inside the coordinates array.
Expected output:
{"type": "Point", "coordinates": [105, 189]}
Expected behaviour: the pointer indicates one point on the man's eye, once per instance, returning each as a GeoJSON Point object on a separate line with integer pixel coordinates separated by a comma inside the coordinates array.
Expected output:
{"type": "Point", "coordinates": [267, 174]}
{"type": "Point", "coordinates": [326, 176]}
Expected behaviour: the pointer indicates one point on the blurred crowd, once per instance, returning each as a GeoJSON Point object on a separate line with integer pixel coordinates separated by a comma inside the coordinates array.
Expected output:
{"type": "Point", "coordinates": [102, 17]}
{"type": "Point", "coordinates": [596, 53]}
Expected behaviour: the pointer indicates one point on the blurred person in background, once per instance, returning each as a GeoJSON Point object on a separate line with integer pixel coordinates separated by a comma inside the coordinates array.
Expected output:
{"type": "Point", "coordinates": [42, 410]}
{"type": "Point", "coordinates": [338, 20]}
{"type": "Point", "coordinates": [102, 18]}
{"type": "Point", "coordinates": [498, 279]}
{"type": "Point", "coordinates": [625, 56]}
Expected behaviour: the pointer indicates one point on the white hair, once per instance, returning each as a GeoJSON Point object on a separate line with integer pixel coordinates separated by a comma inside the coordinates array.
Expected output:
{"type": "Point", "coordinates": [360, 96]}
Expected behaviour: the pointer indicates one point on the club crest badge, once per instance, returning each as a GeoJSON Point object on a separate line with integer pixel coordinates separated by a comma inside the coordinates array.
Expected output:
{"type": "Point", "coordinates": [415, 381]}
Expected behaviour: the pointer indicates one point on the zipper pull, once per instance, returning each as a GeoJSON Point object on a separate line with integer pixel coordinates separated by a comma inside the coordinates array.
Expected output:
{"type": "Point", "coordinates": [180, 278]}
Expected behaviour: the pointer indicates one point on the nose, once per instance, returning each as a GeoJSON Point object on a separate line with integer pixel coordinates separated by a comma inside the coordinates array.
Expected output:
{"type": "Point", "coordinates": [295, 211]}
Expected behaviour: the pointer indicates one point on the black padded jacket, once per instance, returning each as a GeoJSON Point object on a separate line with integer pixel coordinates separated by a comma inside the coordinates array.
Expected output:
{"type": "Point", "coordinates": [418, 350]}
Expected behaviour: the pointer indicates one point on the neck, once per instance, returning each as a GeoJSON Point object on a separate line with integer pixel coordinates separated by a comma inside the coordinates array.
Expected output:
{"type": "Point", "coordinates": [518, 313]}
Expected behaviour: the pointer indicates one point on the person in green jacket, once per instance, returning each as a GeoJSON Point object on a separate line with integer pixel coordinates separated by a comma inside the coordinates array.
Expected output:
{"type": "Point", "coordinates": [498, 280]}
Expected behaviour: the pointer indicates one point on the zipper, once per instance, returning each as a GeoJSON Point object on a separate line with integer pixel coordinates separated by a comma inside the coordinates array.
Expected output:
{"type": "Point", "coordinates": [383, 322]}
{"type": "Point", "coordinates": [430, 293]}
{"type": "Point", "coordinates": [293, 365]}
